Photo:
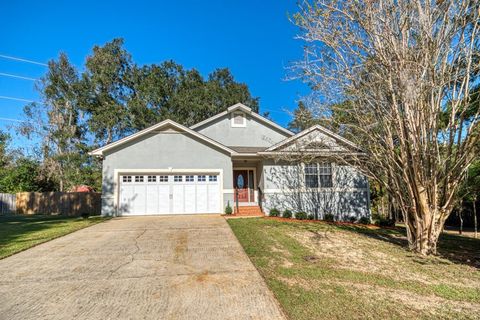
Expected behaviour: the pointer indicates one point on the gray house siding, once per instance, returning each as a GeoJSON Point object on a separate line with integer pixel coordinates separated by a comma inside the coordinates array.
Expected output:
{"type": "Point", "coordinates": [255, 134]}
{"type": "Point", "coordinates": [162, 150]}
{"type": "Point", "coordinates": [284, 188]}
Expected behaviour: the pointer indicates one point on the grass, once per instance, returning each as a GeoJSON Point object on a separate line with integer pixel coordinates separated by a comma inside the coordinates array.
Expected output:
{"type": "Point", "coordinates": [325, 271]}
{"type": "Point", "coordinates": [18, 233]}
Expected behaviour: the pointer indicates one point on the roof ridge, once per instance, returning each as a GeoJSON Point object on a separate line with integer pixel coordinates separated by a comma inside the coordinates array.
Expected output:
{"type": "Point", "coordinates": [246, 110]}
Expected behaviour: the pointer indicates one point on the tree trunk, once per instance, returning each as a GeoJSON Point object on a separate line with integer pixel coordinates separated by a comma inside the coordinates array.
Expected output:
{"type": "Point", "coordinates": [475, 226]}
{"type": "Point", "coordinates": [460, 230]}
{"type": "Point", "coordinates": [423, 231]}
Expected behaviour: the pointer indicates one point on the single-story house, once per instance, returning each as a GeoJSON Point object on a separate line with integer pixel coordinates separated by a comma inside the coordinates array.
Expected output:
{"type": "Point", "coordinates": [234, 157]}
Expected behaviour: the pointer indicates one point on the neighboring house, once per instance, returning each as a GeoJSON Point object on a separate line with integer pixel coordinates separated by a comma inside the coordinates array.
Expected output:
{"type": "Point", "coordinates": [235, 155]}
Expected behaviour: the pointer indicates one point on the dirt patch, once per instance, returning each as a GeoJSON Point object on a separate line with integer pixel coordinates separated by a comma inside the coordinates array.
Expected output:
{"type": "Point", "coordinates": [351, 251]}
{"type": "Point", "coordinates": [202, 277]}
{"type": "Point", "coordinates": [433, 305]}
{"type": "Point", "coordinates": [181, 239]}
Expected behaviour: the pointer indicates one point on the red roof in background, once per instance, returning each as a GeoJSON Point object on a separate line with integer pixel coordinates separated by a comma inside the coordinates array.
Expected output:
{"type": "Point", "coordinates": [82, 188]}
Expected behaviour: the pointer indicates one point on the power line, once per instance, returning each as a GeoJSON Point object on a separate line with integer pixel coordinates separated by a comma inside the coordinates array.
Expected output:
{"type": "Point", "coordinates": [276, 111]}
{"type": "Point", "coordinates": [16, 99]}
{"type": "Point", "coordinates": [23, 60]}
{"type": "Point", "coordinates": [10, 119]}
{"type": "Point", "coordinates": [18, 77]}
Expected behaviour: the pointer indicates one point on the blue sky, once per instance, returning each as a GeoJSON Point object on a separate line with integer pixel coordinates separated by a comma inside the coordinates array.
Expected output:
{"type": "Point", "coordinates": [254, 39]}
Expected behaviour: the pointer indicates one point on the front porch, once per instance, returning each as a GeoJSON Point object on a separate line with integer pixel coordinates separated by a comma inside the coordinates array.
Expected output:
{"type": "Point", "coordinates": [247, 175]}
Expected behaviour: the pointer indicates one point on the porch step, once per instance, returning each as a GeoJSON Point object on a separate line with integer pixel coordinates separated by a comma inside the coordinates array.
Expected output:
{"type": "Point", "coordinates": [249, 211]}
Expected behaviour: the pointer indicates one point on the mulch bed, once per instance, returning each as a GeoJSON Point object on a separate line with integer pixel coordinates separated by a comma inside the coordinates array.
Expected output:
{"type": "Point", "coordinates": [334, 223]}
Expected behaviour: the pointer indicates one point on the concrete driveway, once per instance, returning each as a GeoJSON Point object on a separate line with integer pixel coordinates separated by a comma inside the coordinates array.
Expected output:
{"type": "Point", "coordinates": [175, 267]}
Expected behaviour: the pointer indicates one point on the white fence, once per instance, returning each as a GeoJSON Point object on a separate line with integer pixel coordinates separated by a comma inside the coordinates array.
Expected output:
{"type": "Point", "coordinates": [7, 203]}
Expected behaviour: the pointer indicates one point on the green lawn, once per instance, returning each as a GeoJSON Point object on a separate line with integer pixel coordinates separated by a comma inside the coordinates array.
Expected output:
{"type": "Point", "coordinates": [323, 271]}
{"type": "Point", "coordinates": [18, 233]}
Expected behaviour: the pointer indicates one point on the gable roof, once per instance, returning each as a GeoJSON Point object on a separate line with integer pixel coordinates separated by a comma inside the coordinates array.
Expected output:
{"type": "Point", "coordinates": [163, 124]}
{"type": "Point", "coordinates": [247, 110]}
{"type": "Point", "coordinates": [305, 132]}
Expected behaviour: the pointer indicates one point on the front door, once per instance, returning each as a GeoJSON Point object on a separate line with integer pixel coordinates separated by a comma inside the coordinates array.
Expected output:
{"type": "Point", "coordinates": [240, 184]}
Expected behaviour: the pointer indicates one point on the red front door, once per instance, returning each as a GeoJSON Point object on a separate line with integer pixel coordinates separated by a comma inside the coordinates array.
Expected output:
{"type": "Point", "coordinates": [240, 184]}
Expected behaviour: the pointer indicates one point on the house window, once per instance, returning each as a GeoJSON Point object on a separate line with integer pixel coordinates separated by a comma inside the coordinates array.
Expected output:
{"type": "Point", "coordinates": [127, 179]}
{"type": "Point", "coordinates": [318, 175]}
{"type": "Point", "coordinates": [163, 178]}
{"type": "Point", "coordinates": [238, 119]}
{"type": "Point", "coordinates": [311, 175]}
{"type": "Point", "coordinates": [212, 178]}
{"type": "Point", "coordinates": [189, 179]}
{"type": "Point", "coordinates": [201, 179]}
{"type": "Point", "coordinates": [178, 178]}
{"type": "Point", "coordinates": [138, 178]}
{"type": "Point", "coordinates": [152, 178]}
{"type": "Point", "coordinates": [325, 174]}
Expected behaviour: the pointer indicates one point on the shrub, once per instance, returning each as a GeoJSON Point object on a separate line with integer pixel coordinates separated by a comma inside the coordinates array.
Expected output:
{"type": "Point", "coordinates": [385, 222]}
{"type": "Point", "coordinates": [287, 214]}
{"type": "Point", "coordinates": [85, 215]}
{"type": "Point", "coordinates": [311, 216]}
{"type": "Point", "coordinates": [274, 212]}
{"type": "Point", "coordinates": [352, 219]}
{"type": "Point", "coordinates": [328, 217]}
{"type": "Point", "coordinates": [364, 220]}
{"type": "Point", "coordinates": [228, 209]}
{"type": "Point", "coordinates": [301, 215]}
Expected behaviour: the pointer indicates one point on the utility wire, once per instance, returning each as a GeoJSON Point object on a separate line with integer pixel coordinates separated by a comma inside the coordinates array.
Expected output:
{"type": "Point", "coordinates": [18, 77]}
{"type": "Point", "coordinates": [16, 99]}
{"type": "Point", "coordinates": [276, 111]}
{"type": "Point", "coordinates": [12, 120]}
{"type": "Point", "coordinates": [23, 60]}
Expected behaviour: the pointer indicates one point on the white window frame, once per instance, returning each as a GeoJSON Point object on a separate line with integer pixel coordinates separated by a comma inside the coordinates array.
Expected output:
{"type": "Point", "coordinates": [212, 178]}
{"type": "Point", "coordinates": [202, 178]}
{"type": "Point", "coordinates": [319, 185]}
{"type": "Point", "coordinates": [235, 125]}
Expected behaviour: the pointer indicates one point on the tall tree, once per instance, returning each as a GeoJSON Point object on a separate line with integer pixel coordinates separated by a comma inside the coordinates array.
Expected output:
{"type": "Point", "coordinates": [106, 90]}
{"type": "Point", "coordinates": [403, 65]}
{"type": "Point", "coordinates": [5, 158]}
{"type": "Point", "coordinates": [56, 122]}
{"type": "Point", "coordinates": [169, 91]}
{"type": "Point", "coordinates": [302, 118]}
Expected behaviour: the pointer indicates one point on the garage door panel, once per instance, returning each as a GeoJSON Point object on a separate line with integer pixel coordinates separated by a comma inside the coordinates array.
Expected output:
{"type": "Point", "coordinates": [139, 199]}
{"type": "Point", "coordinates": [152, 199]}
{"type": "Point", "coordinates": [126, 195]}
{"type": "Point", "coordinates": [178, 199]}
{"type": "Point", "coordinates": [190, 198]}
{"type": "Point", "coordinates": [202, 196]}
{"type": "Point", "coordinates": [213, 199]}
{"type": "Point", "coordinates": [164, 199]}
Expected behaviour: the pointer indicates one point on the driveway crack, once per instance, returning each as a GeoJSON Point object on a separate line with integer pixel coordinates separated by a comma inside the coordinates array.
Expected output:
{"type": "Point", "coordinates": [132, 255]}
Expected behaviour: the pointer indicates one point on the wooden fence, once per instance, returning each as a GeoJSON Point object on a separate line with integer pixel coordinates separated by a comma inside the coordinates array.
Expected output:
{"type": "Point", "coordinates": [7, 203]}
{"type": "Point", "coordinates": [62, 203]}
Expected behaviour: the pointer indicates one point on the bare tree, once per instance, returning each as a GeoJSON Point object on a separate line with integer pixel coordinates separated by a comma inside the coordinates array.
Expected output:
{"type": "Point", "coordinates": [406, 69]}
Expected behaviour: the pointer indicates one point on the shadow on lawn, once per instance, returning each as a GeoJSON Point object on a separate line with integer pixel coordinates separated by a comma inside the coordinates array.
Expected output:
{"type": "Point", "coordinates": [455, 248]}
{"type": "Point", "coordinates": [15, 228]}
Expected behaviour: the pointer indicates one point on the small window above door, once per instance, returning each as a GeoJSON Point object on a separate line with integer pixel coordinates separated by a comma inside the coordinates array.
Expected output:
{"type": "Point", "coordinates": [239, 120]}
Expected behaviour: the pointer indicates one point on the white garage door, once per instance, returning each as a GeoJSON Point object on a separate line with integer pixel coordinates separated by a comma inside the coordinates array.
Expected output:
{"type": "Point", "coordinates": [169, 194]}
